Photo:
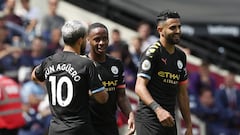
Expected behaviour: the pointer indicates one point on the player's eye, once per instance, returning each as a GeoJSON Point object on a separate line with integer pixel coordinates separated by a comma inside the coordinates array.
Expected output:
{"type": "Point", "coordinates": [97, 39]}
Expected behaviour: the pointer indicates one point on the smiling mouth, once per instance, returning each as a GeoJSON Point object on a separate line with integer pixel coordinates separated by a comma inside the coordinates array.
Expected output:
{"type": "Point", "coordinates": [101, 48]}
{"type": "Point", "coordinates": [176, 37]}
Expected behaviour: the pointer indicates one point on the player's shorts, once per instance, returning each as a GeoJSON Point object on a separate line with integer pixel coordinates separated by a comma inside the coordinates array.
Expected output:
{"type": "Point", "coordinates": [154, 128]}
{"type": "Point", "coordinates": [80, 130]}
{"type": "Point", "coordinates": [104, 129]}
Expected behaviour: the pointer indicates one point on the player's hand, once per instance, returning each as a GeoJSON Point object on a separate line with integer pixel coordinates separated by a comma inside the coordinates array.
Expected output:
{"type": "Point", "coordinates": [89, 93]}
{"type": "Point", "coordinates": [189, 131]}
{"type": "Point", "coordinates": [131, 124]}
{"type": "Point", "coordinates": [165, 117]}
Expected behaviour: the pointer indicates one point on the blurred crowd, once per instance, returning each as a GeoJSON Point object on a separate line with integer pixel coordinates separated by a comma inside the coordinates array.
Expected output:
{"type": "Point", "coordinates": [217, 104]}
{"type": "Point", "coordinates": [27, 37]}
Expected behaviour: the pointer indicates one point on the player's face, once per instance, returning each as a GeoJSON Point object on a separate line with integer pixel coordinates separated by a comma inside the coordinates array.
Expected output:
{"type": "Point", "coordinates": [98, 40]}
{"type": "Point", "coordinates": [172, 31]}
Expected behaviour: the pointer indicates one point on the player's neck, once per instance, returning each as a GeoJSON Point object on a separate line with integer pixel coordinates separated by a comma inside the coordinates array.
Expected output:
{"type": "Point", "coordinates": [97, 57]}
{"type": "Point", "coordinates": [71, 49]}
{"type": "Point", "coordinates": [169, 47]}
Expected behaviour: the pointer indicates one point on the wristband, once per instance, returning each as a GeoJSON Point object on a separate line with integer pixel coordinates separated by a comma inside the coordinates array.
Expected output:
{"type": "Point", "coordinates": [154, 105]}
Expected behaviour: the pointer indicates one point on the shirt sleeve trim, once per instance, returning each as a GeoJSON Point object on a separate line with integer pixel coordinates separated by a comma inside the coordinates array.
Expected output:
{"type": "Point", "coordinates": [183, 82]}
{"type": "Point", "coordinates": [123, 86]}
{"type": "Point", "coordinates": [98, 90]}
{"type": "Point", "coordinates": [144, 75]}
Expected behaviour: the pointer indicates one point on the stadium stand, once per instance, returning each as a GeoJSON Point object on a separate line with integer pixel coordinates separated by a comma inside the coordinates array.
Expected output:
{"type": "Point", "coordinates": [208, 30]}
{"type": "Point", "coordinates": [208, 37]}
{"type": "Point", "coordinates": [217, 42]}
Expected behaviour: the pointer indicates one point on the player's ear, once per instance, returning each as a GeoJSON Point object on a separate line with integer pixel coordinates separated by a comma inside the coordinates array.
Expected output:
{"type": "Point", "coordinates": [80, 40]}
{"type": "Point", "coordinates": [159, 28]}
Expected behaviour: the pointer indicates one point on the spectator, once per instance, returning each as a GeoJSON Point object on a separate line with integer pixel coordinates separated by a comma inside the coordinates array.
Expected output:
{"type": "Point", "coordinates": [54, 45]}
{"type": "Point", "coordinates": [2, 2]}
{"type": "Point", "coordinates": [144, 31]}
{"type": "Point", "coordinates": [201, 78]}
{"type": "Point", "coordinates": [52, 20]}
{"type": "Point", "coordinates": [13, 21]}
{"type": "Point", "coordinates": [136, 44]}
{"type": "Point", "coordinates": [228, 102]}
{"type": "Point", "coordinates": [45, 113]}
{"type": "Point", "coordinates": [9, 11]}
{"type": "Point", "coordinates": [23, 74]}
{"type": "Point", "coordinates": [12, 62]}
{"type": "Point", "coordinates": [31, 17]}
{"type": "Point", "coordinates": [115, 52]}
{"type": "Point", "coordinates": [130, 70]}
{"type": "Point", "coordinates": [5, 47]}
{"type": "Point", "coordinates": [32, 94]}
{"type": "Point", "coordinates": [37, 51]}
{"type": "Point", "coordinates": [117, 44]}
{"type": "Point", "coordinates": [207, 111]}
{"type": "Point", "coordinates": [10, 106]}
{"type": "Point", "coordinates": [5, 33]}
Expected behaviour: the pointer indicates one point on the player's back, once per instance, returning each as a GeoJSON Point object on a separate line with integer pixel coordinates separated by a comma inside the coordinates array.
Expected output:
{"type": "Point", "coordinates": [68, 77]}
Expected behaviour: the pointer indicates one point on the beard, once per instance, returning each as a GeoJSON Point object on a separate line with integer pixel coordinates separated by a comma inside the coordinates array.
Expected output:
{"type": "Point", "coordinates": [173, 39]}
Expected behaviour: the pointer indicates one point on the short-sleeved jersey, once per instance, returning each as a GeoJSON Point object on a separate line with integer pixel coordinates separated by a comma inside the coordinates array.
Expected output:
{"type": "Point", "coordinates": [69, 77]}
{"type": "Point", "coordinates": [165, 72]}
{"type": "Point", "coordinates": [112, 75]}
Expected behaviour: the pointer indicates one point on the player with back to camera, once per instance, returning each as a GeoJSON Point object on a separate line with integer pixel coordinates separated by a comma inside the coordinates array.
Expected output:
{"type": "Point", "coordinates": [162, 80]}
{"type": "Point", "coordinates": [68, 77]}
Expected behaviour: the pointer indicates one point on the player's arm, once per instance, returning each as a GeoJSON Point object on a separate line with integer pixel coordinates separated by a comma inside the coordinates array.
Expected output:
{"type": "Point", "coordinates": [34, 77]}
{"type": "Point", "coordinates": [125, 106]}
{"type": "Point", "coordinates": [97, 90]}
{"type": "Point", "coordinates": [183, 102]}
{"type": "Point", "coordinates": [101, 97]}
{"type": "Point", "coordinates": [141, 90]}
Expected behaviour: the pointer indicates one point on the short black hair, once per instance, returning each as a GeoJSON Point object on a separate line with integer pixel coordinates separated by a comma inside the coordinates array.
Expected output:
{"type": "Point", "coordinates": [116, 31]}
{"type": "Point", "coordinates": [96, 25]}
{"type": "Point", "coordinates": [166, 14]}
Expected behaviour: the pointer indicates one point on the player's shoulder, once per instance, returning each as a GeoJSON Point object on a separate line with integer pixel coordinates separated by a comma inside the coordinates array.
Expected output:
{"type": "Point", "coordinates": [153, 48]}
{"type": "Point", "coordinates": [112, 59]}
{"type": "Point", "coordinates": [85, 59]}
{"type": "Point", "coordinates": [180, 51]}
{"type": "Point", "coordinates": [75, 58]}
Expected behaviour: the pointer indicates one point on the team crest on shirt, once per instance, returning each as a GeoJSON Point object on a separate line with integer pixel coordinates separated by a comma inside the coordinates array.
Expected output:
{"type": "Point", "coordinates": [179, 64]}
{"type": "Point", "coordinates": [114, 70]}
{"type": "Point", "coordinates": [146, 65]}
